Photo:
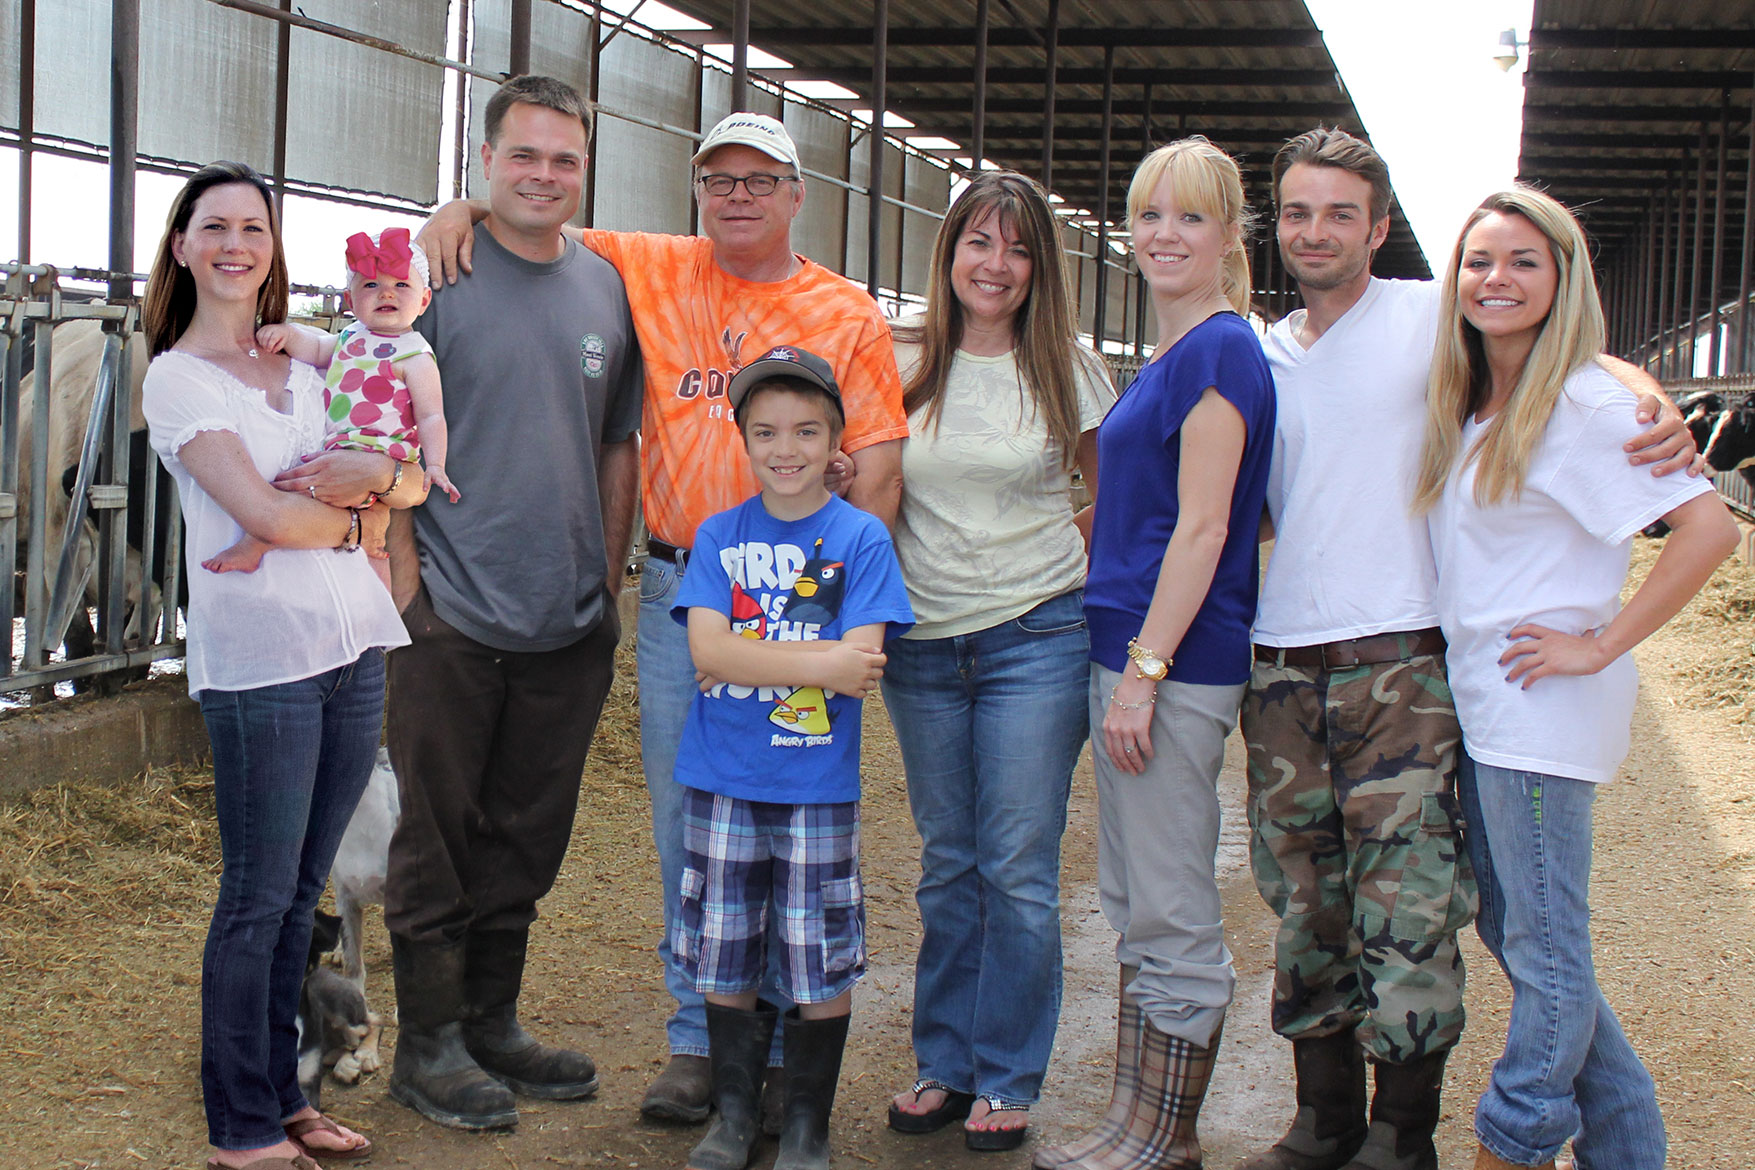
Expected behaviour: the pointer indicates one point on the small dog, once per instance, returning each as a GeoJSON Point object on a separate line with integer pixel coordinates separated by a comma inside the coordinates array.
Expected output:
{"type": "Point", "coordinates": [333, 1021]}
{"type": "Point", "coordinates": [337, 1031]}
{"type": "Point", "coordinates": [361, 862]}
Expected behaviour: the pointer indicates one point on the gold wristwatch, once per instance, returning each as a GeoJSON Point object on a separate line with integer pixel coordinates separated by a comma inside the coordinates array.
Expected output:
{"type": "Point", "coordinates": [1147, 662]}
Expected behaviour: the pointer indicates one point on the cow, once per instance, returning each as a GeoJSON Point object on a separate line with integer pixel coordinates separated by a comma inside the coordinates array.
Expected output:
{"type": "Point", "coordinates": [1723, 427]}
{"type": "Point", "coordinates": [77, 353]}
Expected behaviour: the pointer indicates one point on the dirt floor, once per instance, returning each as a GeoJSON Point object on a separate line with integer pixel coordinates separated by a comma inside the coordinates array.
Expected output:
{"type": "Point", "coordinates": [104, 894]}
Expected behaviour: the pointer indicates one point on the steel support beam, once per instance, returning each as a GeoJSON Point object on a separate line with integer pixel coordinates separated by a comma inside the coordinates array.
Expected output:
{"type": "Point", "coordinates": [519, 58]}
{"type": "Point", "coordinates": [1647, 289]}
{"type": "Point", "coordinates": [1101, 312]}
{"type": "Point", "coordinates": [124, 141]}
{"type": "Point", "coordinates": [282, 107]}
{"type": "Point", "coordinates": [979, 113]}
{"type": "Point", "coordinates": [27, 88]}
{"type": "Point", "coordinates": [1672, 198]}
{"type": "Point", "coordinates": [1716, 307]}
{"type": "Point", "coordinates": [1748, 252]}
{"type": "Point", "coordinates": [1051, 48]}
{"type": "Point", "coordinates": [1698, 259]}
{"type": "Point", "coordinates": [595, 31]}
{"type": "Point", "coordinates": [874, 228]}
{"type": "Point", "coordinates": [740, 55]}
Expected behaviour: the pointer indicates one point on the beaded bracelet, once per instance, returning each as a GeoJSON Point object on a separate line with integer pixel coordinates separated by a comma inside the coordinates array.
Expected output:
{"type": "Point", "coordinates": [1140, 706]}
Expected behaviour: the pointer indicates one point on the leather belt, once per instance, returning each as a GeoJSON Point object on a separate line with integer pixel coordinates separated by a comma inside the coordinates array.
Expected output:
{"type": "Point", "coordinates": [1396, 647]}
{"type": "Point", "coordinates": [667, 552]}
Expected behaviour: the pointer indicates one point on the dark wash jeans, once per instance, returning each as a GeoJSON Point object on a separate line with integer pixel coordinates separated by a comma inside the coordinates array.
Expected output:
{"type": "Point", "coordinates": [289, 764]}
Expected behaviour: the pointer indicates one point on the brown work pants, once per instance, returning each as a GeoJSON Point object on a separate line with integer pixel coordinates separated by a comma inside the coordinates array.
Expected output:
{"type": "Point", "coordinates": [489, 750]}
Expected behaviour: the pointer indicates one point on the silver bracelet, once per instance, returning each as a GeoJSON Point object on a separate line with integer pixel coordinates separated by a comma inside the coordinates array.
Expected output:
{"type": "Point", "coordinates": [1141, 706]}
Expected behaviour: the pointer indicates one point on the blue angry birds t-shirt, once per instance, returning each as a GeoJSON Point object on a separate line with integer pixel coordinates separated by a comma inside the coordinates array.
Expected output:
{"type": "Point", "coordinates": [798, 580]}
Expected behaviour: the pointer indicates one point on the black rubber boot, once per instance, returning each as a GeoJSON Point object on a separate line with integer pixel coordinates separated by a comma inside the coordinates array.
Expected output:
{"type": "Point", "coordinates": [813, 1066]}
{"type": "Point", "coordinates": [737, 1051]}
{"type": "Point", "coordinates": [1404, 1115]}
{"type": "Point", "coordinates": [1330, 1125]}
{"type": "Point", "coordinates": [433, 1072]}
{"type": "Point", "coordinates": [495, 1038]}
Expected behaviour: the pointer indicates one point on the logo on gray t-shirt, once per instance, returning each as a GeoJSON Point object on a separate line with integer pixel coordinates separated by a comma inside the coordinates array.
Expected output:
{"type": "Point", "coordinates": [593, 355]}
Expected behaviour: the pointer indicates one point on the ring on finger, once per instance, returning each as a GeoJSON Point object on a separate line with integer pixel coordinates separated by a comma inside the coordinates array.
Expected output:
{"type": "Point", "coordinates": [1128, 749]}
{"type": "Point", "coordinates": [313, 490]}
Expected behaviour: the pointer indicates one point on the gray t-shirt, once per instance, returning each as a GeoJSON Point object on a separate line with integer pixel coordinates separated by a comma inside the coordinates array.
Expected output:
{"type": "Point", "coordinates": [540, 367]}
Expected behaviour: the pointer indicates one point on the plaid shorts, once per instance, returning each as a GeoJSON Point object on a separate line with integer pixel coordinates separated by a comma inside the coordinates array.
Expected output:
{"type": "Point", "coordinates": [740, 857]}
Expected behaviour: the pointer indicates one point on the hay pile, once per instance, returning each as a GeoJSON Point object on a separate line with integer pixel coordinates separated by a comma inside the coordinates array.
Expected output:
{"type": "Point", "coordinates": [1717, 632]}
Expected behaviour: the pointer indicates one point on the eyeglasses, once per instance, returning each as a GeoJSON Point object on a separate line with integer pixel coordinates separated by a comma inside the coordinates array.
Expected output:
{"type": "Point", "coordinates": [757, 184]}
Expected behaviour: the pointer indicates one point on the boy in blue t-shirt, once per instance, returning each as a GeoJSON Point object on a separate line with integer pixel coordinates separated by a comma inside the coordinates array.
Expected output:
{"type": "Point", "coordinates": [788, 598]}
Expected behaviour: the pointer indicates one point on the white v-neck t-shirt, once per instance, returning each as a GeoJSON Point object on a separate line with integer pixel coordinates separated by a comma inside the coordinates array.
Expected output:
{"type": "Point", "coordinates": [1556, 556]}
{"type": "Point", "coordinates": [1350, 558]}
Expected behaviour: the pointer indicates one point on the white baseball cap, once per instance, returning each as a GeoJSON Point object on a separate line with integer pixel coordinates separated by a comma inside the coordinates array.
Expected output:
{"type": "Point", "coordinates": [758, 130]}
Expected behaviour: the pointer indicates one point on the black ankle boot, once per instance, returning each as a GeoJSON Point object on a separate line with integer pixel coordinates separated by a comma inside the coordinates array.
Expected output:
{"type": "Point", "coordinates": [498, 1042]}
{"type": "Point", "coordinates": [1404, 1115]}
{"type": "Point", "coordinates": [1330, 1124]}
{"type": "Point", "coordinates": [737, 1053]}
{"type": "Point", "coordinates": [813, 1051]}
{"type": "Point", "coordinates": [433, 1072]}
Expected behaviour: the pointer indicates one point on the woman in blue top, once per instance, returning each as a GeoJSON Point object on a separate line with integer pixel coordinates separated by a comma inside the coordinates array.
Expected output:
{"type": "Point", "coordinates": [1182, 472]}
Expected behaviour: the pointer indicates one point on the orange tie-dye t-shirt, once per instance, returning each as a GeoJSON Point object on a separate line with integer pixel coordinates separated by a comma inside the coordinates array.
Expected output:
{"type": "Point", "coordinates": [698, 325]}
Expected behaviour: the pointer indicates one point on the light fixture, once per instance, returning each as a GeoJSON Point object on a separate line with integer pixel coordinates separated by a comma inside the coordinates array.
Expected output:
{"type": "Point", "coordinates": [1505, 52]}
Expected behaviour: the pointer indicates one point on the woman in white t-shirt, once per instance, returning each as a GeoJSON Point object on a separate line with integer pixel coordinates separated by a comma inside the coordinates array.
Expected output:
{"type": "Point", "coordinates": [987, 690]}
{"type": "Point", "coordinates": [1532, 507]}
{"type": "Point", "coordinates": [287, 661]}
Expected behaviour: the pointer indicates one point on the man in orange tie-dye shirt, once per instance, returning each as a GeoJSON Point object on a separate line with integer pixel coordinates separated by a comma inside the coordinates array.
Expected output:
{"type": "Point", "coordinates": [703, 306]}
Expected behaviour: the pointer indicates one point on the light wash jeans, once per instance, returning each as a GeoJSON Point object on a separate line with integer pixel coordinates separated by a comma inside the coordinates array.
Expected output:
{"type": "Point", "coordinates": [289, 764]}
{"type": "Point", "coordinates": [1568, 1070]}
{"type": "Point", "coordinates": [990, 725]}
{"type": "Point", "coordinates": [667, 688]}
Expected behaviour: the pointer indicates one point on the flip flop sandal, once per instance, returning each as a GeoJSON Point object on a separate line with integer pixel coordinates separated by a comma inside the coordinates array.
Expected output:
{"type": "Point", "coordinates": [986, 1141]}
{"type": "Point", "coordinates": [296, 1131]}
{"type": "Point", "coordinates": [299, 1163]}
{"type": "Point", "coordinates": [955, 1108]}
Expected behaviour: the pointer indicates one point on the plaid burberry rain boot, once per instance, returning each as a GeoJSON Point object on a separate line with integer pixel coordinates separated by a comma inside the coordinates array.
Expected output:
{"type": "Point", "coordinates": [1128, 1025]}
{"type": "Point", "coordinates": [1160, 1130]}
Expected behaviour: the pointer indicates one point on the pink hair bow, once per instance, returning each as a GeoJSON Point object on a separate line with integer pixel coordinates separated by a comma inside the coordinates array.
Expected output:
{"type": "Point", "coordinates": [390, 255]}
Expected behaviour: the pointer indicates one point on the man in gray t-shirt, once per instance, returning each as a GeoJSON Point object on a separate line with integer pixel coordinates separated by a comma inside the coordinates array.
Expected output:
{"type": "Point", "coordinates": [512, 614]}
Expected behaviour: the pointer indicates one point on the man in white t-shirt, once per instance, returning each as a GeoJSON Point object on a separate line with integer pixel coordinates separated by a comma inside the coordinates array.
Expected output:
{"type": "Point", "coordinates": [1352, 736]}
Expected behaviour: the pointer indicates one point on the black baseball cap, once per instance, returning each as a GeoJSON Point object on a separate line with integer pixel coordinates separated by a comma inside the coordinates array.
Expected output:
{"type": "Point", "coordinates": [791, 363]}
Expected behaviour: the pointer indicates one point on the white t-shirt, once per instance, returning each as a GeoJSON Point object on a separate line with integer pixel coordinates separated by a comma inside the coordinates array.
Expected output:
{"type": "Point", "coordinates": [1350, 559]}
{"type": "Point", "coordinates": [1556, 556]}
{"type": "Point", "coordinates": [303, 611]}
{"type": "Point", "coordinates": [985, 532]}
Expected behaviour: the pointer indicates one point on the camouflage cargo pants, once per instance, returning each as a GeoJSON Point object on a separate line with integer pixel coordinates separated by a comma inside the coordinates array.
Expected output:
{"type": "Point", "coordinates": [1356, 844]}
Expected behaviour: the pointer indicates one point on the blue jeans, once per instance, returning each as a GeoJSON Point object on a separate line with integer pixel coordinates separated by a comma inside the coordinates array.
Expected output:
{"type": "Point", "coordinates": [289, 764]}
{"type": "Point", "coordinates": [1568, 1070]}
{"type": "Point", "coordinates": [667, 688]}
{"type": "Point", "coordinates": [990, 726]}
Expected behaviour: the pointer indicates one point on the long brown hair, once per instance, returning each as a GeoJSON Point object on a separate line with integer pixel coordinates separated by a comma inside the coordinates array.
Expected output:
{"type": "Point", "coordinates": [170, 289]}
{"type": "Point", "coordinates": [1044, 337]}
{"type": "Point", "coordinates": [1460, 382]}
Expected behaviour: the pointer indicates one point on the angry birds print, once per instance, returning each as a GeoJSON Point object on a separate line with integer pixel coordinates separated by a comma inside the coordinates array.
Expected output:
{"type": "Point", "coordinates": [747, 618]}
{"type": "Point", "coordinates": [816, 595]}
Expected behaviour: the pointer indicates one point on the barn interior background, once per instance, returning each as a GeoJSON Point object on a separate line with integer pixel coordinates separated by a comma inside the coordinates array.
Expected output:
{"type": "Point", "coordinates": [1638, 112]}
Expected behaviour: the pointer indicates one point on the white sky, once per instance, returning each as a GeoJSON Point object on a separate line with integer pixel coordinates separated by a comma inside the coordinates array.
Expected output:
{"type": "Point", "coordinates": [1437, 107]}
{"type": "Point", "coordinates": [1421, 74]}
